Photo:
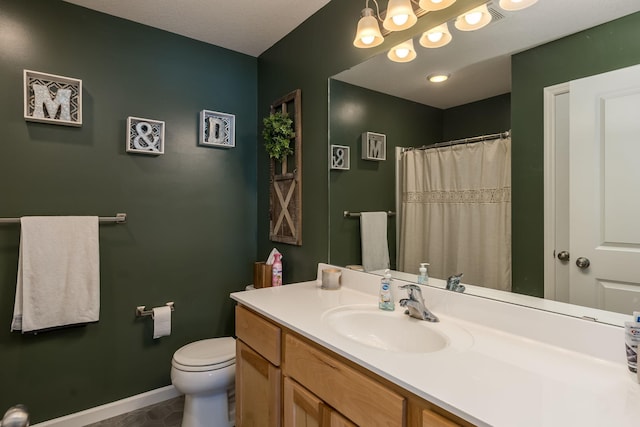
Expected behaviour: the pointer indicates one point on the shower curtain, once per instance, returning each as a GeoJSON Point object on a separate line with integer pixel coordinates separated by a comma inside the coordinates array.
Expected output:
{"type": "Point", "coordinates": [455, 212]}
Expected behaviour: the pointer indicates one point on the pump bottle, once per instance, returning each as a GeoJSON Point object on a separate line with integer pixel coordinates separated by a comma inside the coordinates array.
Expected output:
{"type": "Point", "coordinates": [386, 293]}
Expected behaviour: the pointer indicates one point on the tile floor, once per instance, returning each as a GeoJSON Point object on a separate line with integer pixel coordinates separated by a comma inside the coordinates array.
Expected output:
{"type": "Point", "coordinates": [163, 414]}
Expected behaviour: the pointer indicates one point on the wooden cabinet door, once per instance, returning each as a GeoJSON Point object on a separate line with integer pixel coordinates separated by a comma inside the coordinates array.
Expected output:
{"type": "Point", "coordinates": [337, 420]}
{"type": "Point", "coordinates": [301, 407]}
{"type": "Point", "coordinates": [258, 385]}
{"type": "Point", "coordinates": [349, 391]}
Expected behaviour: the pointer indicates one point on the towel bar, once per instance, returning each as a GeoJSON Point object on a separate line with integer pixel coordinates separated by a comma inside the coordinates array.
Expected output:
{"type": "Point", "coordinates": [140, 310]}
{"type": "Point", "coordinates": [348, 214]}
{"type": "Point", "coordinates": [120, 218]}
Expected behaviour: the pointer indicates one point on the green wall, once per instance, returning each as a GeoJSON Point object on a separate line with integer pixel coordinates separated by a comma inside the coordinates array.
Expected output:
{"type": "Point", "coordinates": [191, 230]}
{"type": "Point", "coordinates": [487, 116]}
{"type": "Point", "coordinates": [597, 50]}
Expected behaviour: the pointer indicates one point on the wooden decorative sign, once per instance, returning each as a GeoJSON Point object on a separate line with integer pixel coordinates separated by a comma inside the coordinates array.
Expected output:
{"type": "Point", "coordinates": [52, 99]}
{"type": "Point", "coordinates": [285, 182]}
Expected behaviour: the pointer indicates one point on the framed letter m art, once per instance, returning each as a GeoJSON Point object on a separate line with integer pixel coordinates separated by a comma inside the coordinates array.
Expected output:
{"type": "Point", "coordinates": [374, 146]}
{"type": "Point", "coordinates": [52, 99]}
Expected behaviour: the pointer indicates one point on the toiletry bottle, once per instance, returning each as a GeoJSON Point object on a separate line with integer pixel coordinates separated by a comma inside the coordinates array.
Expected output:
{"type": "Point", "coordinates": [423, 278]}
{"type": "Point", "coordinates": [276, 271]}
{"type": "Point", "coordinates": [386, 293]}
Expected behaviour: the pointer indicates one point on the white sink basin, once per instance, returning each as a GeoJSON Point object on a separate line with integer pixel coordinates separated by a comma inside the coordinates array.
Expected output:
{"type": "Point", "coordinates": [385, 330]}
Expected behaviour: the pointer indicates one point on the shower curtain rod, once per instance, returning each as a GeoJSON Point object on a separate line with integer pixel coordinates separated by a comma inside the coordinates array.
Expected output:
{"type": "Point", "coordinates": [473, 139]}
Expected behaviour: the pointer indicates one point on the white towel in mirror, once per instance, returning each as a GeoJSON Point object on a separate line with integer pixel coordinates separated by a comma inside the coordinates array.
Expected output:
{"type": "Point", "coordinates": [373, 236]}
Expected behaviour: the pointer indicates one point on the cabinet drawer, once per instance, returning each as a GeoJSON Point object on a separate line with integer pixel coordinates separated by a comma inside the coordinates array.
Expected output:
{"type": "Point", "coordinates": [432, 419]}
{"type": "Point", "coordinates": [259, 334]}
{"type": "Point", "coordinates": [352, 393]}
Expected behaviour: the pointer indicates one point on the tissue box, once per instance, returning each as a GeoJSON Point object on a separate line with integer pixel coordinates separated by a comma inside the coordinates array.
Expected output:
{"type": "Point", "coordinates": [261, 275]}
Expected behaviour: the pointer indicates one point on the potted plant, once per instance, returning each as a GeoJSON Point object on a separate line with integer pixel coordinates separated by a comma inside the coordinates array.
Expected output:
{"type": "Point", "coordinates": [277, 134]}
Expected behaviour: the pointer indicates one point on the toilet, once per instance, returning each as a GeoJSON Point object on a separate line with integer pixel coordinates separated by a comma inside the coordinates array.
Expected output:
{"type": "Point", "coordinates": [204, 371]}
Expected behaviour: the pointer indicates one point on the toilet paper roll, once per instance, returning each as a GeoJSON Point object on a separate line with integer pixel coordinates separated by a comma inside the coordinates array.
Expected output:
{"type": "Point", "coordinates": [161, 321]}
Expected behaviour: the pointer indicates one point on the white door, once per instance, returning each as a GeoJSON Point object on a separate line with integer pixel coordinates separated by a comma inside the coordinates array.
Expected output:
{"type": "Point", "coordinates": [605, 191]}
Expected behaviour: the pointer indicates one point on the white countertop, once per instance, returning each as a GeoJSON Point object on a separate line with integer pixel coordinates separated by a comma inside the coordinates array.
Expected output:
{"type": "Point", "coordinates": [488, 375]}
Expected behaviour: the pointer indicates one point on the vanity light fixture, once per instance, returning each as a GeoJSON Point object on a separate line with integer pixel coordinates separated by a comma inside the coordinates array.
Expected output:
{"type": "Point", "coordinates": [368, 33]}
{"type": "Point", "coordinates": [400, 15]}
{"type": "Point", "coordinates": [516, 4]}
{"type": "Point", "coordinates": [436, 37]}
{"type": "Point", "coordinates": [473, 19]}
{"type": "Point", "coordinates": [433, 5]}
{"type": "Point", "coordinates": [404, 52]}
{"type": "Point", "coordinates": [438, 77]}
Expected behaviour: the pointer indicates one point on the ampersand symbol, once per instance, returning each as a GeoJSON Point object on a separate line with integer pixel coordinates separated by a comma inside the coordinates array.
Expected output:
{"type": "Point", "coordinates": [338, 157]}
{"type": "Point", "coordinates": [144, 130]}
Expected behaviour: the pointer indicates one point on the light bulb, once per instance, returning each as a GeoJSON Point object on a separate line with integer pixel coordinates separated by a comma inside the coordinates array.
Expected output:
{"type": "Point", "coordinates": [433, 5]}
{"type": "Point", "coordinates": [437, 78]}
{"type": "Point", "coordinates": [402, 53]}
{"type": "Point", "coordinates": [400, 15]}
{"type": "Point", "coordinates": [512, 5]}
{"type": "Point", "coordinates": [368, 32]}
{"type": "Point", "coordinates": [473, 18]}
{"type": "Point", "coordinates": [435, 37]}
{"type": "Point", "coordinates": [367, 39]}
{"type": "Point", "coordinates": [400, 19]}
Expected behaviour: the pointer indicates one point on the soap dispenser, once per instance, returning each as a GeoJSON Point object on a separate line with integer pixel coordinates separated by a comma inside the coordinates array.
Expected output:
{"type": "Point", "coordinates": [386, 294]}
{"type": "Point", "coordinates": [423, 278]}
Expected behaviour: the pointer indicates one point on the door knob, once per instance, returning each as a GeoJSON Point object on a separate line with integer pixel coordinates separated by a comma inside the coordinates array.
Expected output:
{"type": "Point", "coordinates": [583, 262]}
{"type": "Point", "coordinates": [563, 256]}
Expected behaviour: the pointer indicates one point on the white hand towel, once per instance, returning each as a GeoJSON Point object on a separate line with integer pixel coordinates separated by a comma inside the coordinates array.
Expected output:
{"type": "Point", "coordinates": [373, 236]}
{"type": "Point", "coordinates": [58, 279]}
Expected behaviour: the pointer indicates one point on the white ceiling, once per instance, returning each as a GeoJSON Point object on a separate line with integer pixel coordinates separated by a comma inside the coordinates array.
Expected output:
{"type": "Point", "coordinates": [246, 26]}
{"type": "Point", "coordinates": [479, 62]}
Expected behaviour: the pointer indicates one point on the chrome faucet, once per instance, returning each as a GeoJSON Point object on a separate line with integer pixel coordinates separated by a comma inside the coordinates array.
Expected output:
{"type": "Point", "coordinates": [453, 283]}
{"type": "Point", "coordinates": [415, 304]}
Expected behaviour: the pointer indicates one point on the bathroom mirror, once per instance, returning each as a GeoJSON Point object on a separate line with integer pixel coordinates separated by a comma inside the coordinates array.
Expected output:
{"type": "Point", "coordinates": [480, 67]}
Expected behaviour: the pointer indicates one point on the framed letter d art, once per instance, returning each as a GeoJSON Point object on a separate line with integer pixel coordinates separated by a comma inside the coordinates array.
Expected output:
{"type": "Point", "coordinates": [217, 129]}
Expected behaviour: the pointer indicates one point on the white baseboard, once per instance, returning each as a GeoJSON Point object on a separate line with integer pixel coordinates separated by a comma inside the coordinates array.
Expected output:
{"type": "Point", "coordinates": [113, 409]}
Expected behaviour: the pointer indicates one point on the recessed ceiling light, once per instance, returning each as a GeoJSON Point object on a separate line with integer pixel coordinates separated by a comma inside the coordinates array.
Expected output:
{"type": "Point", "coordinates": [437, 78]}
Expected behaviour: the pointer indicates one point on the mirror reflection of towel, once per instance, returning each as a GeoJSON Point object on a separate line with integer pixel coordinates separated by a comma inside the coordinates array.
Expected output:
{"type": "Point", "coordinates": [58, 281]}
{"type": "Point", "coordinates": [373, 236]}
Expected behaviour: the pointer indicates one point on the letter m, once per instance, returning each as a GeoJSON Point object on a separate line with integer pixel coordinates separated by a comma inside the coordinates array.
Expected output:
{"type": "Point", "coordinates": [42, 98]}
{"type": "Point", "coordinates": [375, 149]}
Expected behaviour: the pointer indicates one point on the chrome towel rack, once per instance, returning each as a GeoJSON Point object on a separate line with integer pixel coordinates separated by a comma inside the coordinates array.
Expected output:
{"type": "Point", "coordinates": [348, 214]}
{"type": "Point", "coordinates": [120, 218]}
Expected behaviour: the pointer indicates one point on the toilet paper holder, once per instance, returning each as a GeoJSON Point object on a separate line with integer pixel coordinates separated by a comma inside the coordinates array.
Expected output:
{"type": "Point", "coordinates": [140, 310]}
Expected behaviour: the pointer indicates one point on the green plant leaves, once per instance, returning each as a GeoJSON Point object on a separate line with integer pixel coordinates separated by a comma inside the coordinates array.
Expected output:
{"type": "Point", "coordinates": [277, 134]}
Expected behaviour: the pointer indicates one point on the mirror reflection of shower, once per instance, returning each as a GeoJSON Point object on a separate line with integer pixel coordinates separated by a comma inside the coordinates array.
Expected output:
{"type": "Point", "coordinates": [454, 209]}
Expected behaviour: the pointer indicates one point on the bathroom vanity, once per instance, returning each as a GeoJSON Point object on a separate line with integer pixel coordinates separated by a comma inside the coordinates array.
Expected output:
{"type": "Point", "coordinates": [308, 356]}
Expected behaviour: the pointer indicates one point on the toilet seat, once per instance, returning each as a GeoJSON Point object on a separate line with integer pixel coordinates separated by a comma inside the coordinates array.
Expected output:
{"type": "Point", "coordinates": [205, 355]}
